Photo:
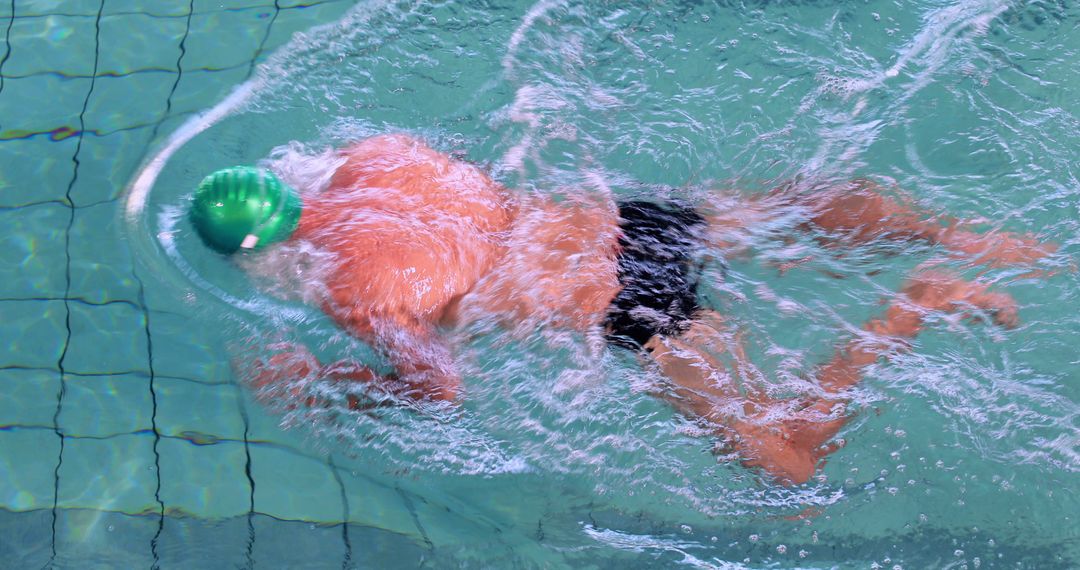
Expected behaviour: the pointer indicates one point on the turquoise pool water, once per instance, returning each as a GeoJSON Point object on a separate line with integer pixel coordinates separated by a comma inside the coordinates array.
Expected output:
{"type": "Point", "coordinates": [128, 438]}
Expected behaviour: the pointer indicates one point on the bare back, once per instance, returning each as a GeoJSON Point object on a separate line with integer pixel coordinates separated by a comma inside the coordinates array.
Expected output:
{"type": "Point", "coordinates": [411, 230]}
{"type": "Point", "coordinates": [560, 267]}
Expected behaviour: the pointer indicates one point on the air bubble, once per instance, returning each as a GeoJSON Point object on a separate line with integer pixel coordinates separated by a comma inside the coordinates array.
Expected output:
{"type": "Point", "coordinates": [958, 553]}
{"type": "Point", "coordinates": [687, 529]}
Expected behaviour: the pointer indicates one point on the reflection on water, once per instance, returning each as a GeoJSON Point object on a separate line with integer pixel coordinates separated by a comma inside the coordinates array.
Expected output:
{"type": "Point", "coordinates": [966, 106]}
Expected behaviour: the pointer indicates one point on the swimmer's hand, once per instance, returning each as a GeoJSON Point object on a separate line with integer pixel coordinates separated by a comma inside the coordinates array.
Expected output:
{"type": "Point", "coordinates": [942, 291]}
{"type": "Point", "coordinates": [294, 377]}
{"type": "Point", "coordinates": [289, 377]}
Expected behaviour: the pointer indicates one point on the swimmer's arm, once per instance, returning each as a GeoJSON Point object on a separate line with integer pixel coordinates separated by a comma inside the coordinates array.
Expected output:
{"type": "Point", "coordinates": [422, 361]}
{"type": "Point", "coordinates": [421, 357]}
{"type": "Point", "coordinates": [860, 211]}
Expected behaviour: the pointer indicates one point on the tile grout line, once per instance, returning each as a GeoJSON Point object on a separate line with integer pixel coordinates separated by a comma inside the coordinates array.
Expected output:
{"type": "Point", "coordinates": [252, 7]}
{"type": "Point", "coordinates": [146, 312]}
{"type": "Point", "coordinates": [179, 72]}
{"type": "Point", "coordinates": [7, 46]}
{"type": "Point", "coordinates": [266, 37]}
{"type": "Point", "coordinates": [346, 515]}
{"type": "Point", "coordinates": [247, 473]}
{"type": "Point", "coordinates": [67, 287]}
{"type": "Point", "coordinates": [240, 391]}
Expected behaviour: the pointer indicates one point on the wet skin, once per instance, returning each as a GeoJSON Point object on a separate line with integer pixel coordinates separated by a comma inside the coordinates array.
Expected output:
{"type": "Point", "coordinates": [423, 243]}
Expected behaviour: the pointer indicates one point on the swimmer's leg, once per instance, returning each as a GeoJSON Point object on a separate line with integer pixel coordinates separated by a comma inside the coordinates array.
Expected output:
{"type": "Point", "coordinates": [788, 438]}
{"type": "Point", "coordinates": [860, 212]}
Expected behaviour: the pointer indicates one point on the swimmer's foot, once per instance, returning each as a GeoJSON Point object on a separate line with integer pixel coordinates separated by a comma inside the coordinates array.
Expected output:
{"type": "Point", "coordinates": [788, 446]}
{"type": "Point", "coordinates": [941, 291]}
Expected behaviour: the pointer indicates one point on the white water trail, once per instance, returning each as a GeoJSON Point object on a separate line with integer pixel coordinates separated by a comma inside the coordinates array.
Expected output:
{"type": "Point", "coordinates": [931, 46]}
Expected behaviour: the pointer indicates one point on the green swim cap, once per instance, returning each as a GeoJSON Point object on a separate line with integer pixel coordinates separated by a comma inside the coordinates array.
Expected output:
{"type": "Point", "coordinates": [244, 207]}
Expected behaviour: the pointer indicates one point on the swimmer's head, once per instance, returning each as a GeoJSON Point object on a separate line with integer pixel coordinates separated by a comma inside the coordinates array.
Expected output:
{"type": "Point", "coordinates": [244, 208]}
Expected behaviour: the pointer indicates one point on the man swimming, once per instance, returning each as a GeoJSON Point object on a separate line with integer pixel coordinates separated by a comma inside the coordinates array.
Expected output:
{"type": "Point", "coordinates": [419, 244]}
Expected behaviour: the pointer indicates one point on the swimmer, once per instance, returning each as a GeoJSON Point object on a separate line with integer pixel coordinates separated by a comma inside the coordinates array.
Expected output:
{"type": "Point", "coordinates": [420, 243]}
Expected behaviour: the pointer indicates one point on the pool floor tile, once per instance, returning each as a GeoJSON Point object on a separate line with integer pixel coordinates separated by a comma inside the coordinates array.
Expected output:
{"type": "Point", "coordinates": [28, 463]}
{"type": "Point", "coordinates": [23, 116]}
{"type": "Point", "coordinates": [293, 487]}
{"type": "Point", "coordinates": [106, 163]}
{"type": "Point", "coordinates": [26, 538]}
{"type": "Point", "coordinates": [106, 339]}
{"type": "Point", "coordinates": [193, 408]}
{"type": "Point", "coordinates": [169, 10]}
{"type": "Point", "coordinates": [34, 333]}
{"type": "Point", "coordinates": [374, 504]}
{"type": "Point", "coordinates": [194, 350]}
{"type": "Point", "coordinates": [245, 29]}
{"type": "Point", "coordinates": [199, 90]}
{"type": "Point", "coordinates": [37, 170]}
{"type": "Point", "coordinates": [116, 474]}
{"type": "Point", "coordinates": [38, 8]}
{"type": "Point", "coordinates": [288, 544]}
{"type": "Point", "coordinates": [188, 543]}
{"type": "Point", "coordinates": [100, 274]}
{"type": "Point", "coordinates": [29, 397]}
{"type": "Point", "coordinates": [304, 18]}
{"type": "Point", "coordinates": [113, 110]}
{"type": "Point", "coordinates": [129, 36]}
{"type": "Point", "coordinates": [213, 6]}
{"type": "Point", "coordinates": [206, 481]}
{"type": "Point", "coordinates": [32, 257]}
{"type": "Point", "coordinates": [101, 406]}
{"type": "Point", "coordinates": [96, 539]}
{"type": "Point", "coordinates": [377, 548]}
{"type": "Point", "coordinates": [57, 43]}
{"type": "Point", "coordinates": [266, 424]}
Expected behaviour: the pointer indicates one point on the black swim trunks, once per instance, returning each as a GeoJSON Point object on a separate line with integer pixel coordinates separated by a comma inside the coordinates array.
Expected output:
{"type": "Point", "coordinates": [657, 271]}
